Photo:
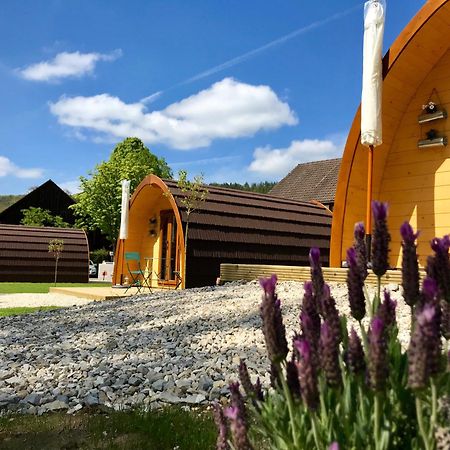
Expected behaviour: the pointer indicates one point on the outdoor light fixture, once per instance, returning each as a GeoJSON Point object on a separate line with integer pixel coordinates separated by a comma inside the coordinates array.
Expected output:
{"type": "Point", "coordinates": [436, 142]}
{"type": "Point", "coordinates": [428, 117]}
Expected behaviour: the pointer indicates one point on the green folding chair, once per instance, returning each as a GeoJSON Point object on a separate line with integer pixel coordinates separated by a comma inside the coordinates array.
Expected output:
{"type": "Point", "coordinates": [137, 276]}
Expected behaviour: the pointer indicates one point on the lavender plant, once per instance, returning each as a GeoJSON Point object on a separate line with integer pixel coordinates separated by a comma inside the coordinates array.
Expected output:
{"type": "Point", "coordinates": [358, 390]}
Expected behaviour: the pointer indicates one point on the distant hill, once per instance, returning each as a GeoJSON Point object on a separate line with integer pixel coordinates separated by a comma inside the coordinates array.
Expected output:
{"type": "Point", "coordinates": [263, 187]}
{"type": "Point", "coordinates": [8, 200]}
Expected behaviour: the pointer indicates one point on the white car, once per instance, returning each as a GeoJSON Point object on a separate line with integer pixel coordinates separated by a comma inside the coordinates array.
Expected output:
{"type": "Point", "coordinates": [92, 269]}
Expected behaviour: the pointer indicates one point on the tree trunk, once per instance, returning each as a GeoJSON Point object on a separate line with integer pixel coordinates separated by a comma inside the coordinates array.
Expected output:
{"type": "Point", "coordinates": [56, 269]}
{"type": "Point", "coordinates": [185, 248]}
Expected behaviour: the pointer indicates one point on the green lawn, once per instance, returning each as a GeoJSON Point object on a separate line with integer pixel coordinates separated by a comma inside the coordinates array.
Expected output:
{"type": "Point", "coordinates": [170, 428]}
{"type": "Point", "coordinates": [42, 288]}
{"type": "Point", "coordinates": [24, 310]}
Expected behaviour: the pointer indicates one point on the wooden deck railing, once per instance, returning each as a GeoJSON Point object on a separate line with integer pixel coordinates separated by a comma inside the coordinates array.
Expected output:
{"type": "Point", "coordinates": [234, 272]}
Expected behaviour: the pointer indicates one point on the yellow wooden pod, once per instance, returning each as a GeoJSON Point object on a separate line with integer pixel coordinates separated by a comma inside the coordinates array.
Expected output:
{"type": "Point", "coordinates": [411, 170]}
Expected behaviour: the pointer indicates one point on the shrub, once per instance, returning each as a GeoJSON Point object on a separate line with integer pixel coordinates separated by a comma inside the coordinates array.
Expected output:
{"type": "Point", "coordinates": [99, 255]}
{"type": "Point", "coordinates": [359, 388]}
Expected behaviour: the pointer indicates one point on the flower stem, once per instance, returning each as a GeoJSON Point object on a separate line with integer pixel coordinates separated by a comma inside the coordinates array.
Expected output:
{"type": "Point", "coordinates": [290, 405]}
{"type": "Point", "coordinates": [365, 341]}
{"type": "Point", "coordinates": [368, 301]}
{"type": "Point", "coordinates": [376, 427]}
{"type": "Point", "coordinates": [433, 409]}
{"type": "Point", "coordinates": [314, 427]}
{"type": "Point", "coordinates": [377, 299]}
{"type": "Point", "coordinates": [420, 423]}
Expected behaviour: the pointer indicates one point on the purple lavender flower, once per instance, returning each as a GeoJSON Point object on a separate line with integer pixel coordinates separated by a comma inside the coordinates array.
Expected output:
{"type": "Point", "coordinates": [445, 320]}
{"type": "Point", "coordinates": [377, 361]}
{"type": "Point", "coordinates": [386, 310]}
{"type": "Point", "coordinates": [244, 378]}
{"type": "Point", "coordinates": [329, 356]}
{"type": "Point", "coordinates": [361, 249]}
{"type": "Point", "coordinates": [254, 392]}
{"type": "Point", "coordinates": [410, 266]}
{"type": "Point", "coordinates": [238, 418]}
{"type": "Point", "coordinates": [355, 285]}
{"type": "Point", "coordinates": [307, 374]}
{"type": "Point", "coordinates": [316, 272]}
{"type": "Point", "coordinates": [221, 425]}
{"type": "Point", "coordinates": [330, 313]}
{"type": "Point", "coordinates": [292, 379]}
{"type": "Point", "coordinates": [311, 332]}
{"type": "Point", "coordinates": [272, 322]}
{"type": "Point", "coordinates": [424, 348]}
{"type": "Point", "coordinates": [355, 354]}
{"type": "Point", "coordinates": [430, 291]}
{"type": "Point", "coordinates": [333, 446]}
{"type": "Point", "coordinates": [238, 428]}
{"type": "Point", "coordinates": [380, 239]}
{"type": "Point", "coordinates": [258, 390]}
{"type": "Point", "coordinates": [441, 265]}
{"type": "Point", "coordinates": [310, 311]}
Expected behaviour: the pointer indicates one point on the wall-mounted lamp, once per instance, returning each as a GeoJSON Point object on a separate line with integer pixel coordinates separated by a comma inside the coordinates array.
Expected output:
{"type": "Point", "coordinates": [428, 117]}
{"type": "Point", "coordinates": [436, 142]}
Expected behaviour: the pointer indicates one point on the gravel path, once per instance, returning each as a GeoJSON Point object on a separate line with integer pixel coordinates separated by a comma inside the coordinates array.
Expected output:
{"type": "Point", "coordinates": [33, 300]}
{"type": "Point", "coordinates": [172, 347]}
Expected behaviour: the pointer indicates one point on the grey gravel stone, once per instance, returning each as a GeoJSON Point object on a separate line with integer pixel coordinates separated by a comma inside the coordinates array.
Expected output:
{"type": "Point", "coordinates": [172, 347]}
{"type": "Point", "coordinates": [55, 406]}
{"type": "Point", "coordinates": [90, 400]}
{"type": "Point", "coordinates": [158, 385]}
{"type": "Point", "coordinates": [34, 399]}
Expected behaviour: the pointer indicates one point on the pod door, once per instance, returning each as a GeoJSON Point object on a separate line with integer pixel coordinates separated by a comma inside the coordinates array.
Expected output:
{"type": "Point", "coordinates": [168, 262]}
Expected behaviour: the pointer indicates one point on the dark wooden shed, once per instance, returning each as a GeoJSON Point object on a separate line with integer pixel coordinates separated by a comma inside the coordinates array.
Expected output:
{"type": "Point", "coordinates": [24, 254]}
{"type": "Point", "coordinates": [230, 227]}
{"type": "Point", "coordinates": [47, 196]}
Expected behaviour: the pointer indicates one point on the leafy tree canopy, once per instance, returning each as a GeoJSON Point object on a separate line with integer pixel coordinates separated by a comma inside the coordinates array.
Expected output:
{"type": "Point", "coordinates": [98, 205]}
{"type": "Point", "coordinates": [263, 187]}
{"type": "Point", "coordinates": [38, 217]}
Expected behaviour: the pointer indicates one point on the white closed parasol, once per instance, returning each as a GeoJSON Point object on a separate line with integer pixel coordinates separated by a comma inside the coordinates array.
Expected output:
{"type": "Point", "coordinates": [371, 98]}
{"type": "Point", "coordinates": [123, 234]}
{"type": "Point", "coordinates": [371, 130]}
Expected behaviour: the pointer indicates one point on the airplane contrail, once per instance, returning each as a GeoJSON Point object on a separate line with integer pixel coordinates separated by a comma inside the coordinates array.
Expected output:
{"type": "Point", "coordinates": [245, 56]}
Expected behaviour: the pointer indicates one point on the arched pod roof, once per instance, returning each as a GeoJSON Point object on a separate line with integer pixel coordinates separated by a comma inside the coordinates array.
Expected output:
{"type": "Point", "coordinates": [419, 48]}
{"type": "Point", "coordinates": [24, 254]}
{"type": "Point", "coordinates": [246, 227]}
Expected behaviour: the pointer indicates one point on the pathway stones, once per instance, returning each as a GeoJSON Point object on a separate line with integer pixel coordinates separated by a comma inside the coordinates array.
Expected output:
{"type": "Point", "coordinates": [179, 347]}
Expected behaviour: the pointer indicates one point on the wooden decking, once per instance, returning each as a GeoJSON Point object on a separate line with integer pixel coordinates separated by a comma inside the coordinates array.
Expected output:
{"type": "Point", "coordinates": [234, 272]}
{"type": "Point", "coordinates": [96, 293]}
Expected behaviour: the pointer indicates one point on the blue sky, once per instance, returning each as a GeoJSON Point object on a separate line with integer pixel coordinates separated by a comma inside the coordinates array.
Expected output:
{"type": "Point", "coordinates": [236, 90]}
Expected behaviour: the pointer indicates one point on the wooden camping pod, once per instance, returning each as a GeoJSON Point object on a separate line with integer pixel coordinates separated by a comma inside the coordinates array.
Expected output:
{"type": "Point", "coordinates": [414, 181]}
{"type": "Point", "coordinates": [229, 227]}
{"type": "Point", "coordinates": [24, 254]}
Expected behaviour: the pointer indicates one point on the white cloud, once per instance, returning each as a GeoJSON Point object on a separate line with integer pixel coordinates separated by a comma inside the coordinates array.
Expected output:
{"type": "Point", "coordinates": [65, 65]}
{"type": "Point", "coordinates": [227, 109]}
{"type": "Point", "coordinates": [73, 186]}
{"type": "Point", "coordinates": [8, 168]}
{"type": "Point", "coordinates": [278, 162]}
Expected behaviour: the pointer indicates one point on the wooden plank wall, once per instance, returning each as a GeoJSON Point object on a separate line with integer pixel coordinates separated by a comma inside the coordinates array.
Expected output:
{"type": "Point", "coordinates": [248, 272]}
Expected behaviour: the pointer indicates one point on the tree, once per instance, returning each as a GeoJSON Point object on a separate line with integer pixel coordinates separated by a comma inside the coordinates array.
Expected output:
{"type": "Point", "coordinates": [263, 187]}
{"type": "Point", "coordinates": [195, 194]}
{"type": "Point", "coordinates": [98, 204]}
{"type": "Point", "coordinates": [38, 217]}
{"type": "Point", "coordinates": [56, 246]}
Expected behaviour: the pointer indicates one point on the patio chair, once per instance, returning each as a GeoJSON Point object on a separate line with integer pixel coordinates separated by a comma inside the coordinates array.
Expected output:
{"type": "Point", "coordinates": [178, 278]}
{"type": "Point", "coordinates": [137, 276]}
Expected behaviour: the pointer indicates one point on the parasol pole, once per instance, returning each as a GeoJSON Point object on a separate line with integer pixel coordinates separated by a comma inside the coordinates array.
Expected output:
{"type": "Point", "coordinates": [369, 201]}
